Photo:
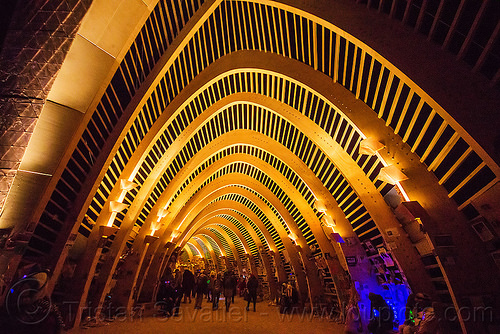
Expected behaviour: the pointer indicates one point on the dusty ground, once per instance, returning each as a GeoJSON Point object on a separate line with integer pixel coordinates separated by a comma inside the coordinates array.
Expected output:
{"type": "Point", "coordinates": [266, 319]}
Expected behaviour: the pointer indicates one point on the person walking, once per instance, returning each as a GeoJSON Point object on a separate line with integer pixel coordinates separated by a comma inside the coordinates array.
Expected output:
{"type": "Point", "coordinates": [252, 286]}
{"type": "Point", "coordinates": [178, 291]}
{"type": "Point", "coordinates": [229, 284]}
{"type": "Point", "coordinates": [201, 289]}
{"type": "Point", "coordinates": [216, 288]}
{"type": "Point", "coordinates": [188, 282]}
{"type": "Point", "coordinates": [381, 315]}
{"type": "Point", "coordinates": [353, 324]}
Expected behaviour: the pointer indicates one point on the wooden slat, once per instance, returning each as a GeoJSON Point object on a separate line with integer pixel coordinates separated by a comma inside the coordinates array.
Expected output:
{"type": "Point", "coordinates": [386, 94]}
{"type": "Point", "coordinates": [437, 17]}
{"type": "Point", "coordinates": [472, 30]}
{"type": "Point", "coordinates": [486, 51]}
{"type": "Point", "coordinates": [394, 103]}
{"type": "Point", "coordinates": [360, 75]}
{"type": "Point", "coordinates": [434, 140]}
{"type": "Point", "coordinates": [444, 152]}
{"type": "Point", "coordinates": [454, 24]}
{"type": "Point", "coordinates": [404, 111]}
{"type": "Point", "coordinates": [467, 179]}
{"type": "Point", "coordinates": [421, 15]}
{"type": "Point", "coordinates": [423, 130]}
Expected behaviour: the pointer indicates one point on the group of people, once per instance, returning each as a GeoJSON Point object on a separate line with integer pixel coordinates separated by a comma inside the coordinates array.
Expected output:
{"type": "Point", "coordinates": [419, 316]}
{"type": "Point", "coordinates": [182, 285]}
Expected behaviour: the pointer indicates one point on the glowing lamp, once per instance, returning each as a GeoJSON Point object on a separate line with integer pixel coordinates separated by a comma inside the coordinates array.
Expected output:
{"type": "Point", "coordinates": [115, 206]}
{"type": "Point", "coordinates": [391, 174]}
{"type": "Point", "coordinates": [292, 236]}
{"type": "Point", "coordinates": [328, 221]}
{"type": "Point", "coordinates": [163, 212]}
{"type": "Point", "coordinates": [370, 146]}
{"type": "Point", "coordinates": [127, 185]}
{"type": "Point", "coordinates": [319, 206]}
{"type": "Point", "coordinates": [174, 234]}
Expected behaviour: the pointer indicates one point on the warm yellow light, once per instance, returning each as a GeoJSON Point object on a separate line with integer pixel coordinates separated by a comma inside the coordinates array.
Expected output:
{"type": "Point", "coordinates": [391, 174]}
{"type": "Point", "coordinates": [163, 212]}
{"type": "Point", "coordinates": [328, 221]}
{"type": "Point", "coordinates": [127, 185]}
{"type": "Point", "coordinates": [174, 235]}
{"type": "Point", "coordinates": [370, 146]}
{"type": "Point", "coordinates": [319, 206]}
{"type": "Point", "coordinates": [292, 236]}
{"type": "Point", "coordinates": [115, 206]}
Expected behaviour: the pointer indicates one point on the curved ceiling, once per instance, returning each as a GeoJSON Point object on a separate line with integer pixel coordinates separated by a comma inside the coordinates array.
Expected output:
{"type": "Point", "coordinates": [235, 119]}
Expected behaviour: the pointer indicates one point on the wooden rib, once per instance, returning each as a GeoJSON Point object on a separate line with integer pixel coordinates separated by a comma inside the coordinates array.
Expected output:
{"type": "Point", "coordinates": [409, 98]}
{"type": "Point", "coordinates": [413, 120]}
{"type": "Point", "coordinates": [407, 11]}
{"type": "Point", "coordinates": [434, 140]}
{"type": "Point", "coordinates": [239, 12]}
{"type": "Point", "coordinates": [467, 179]}
{"type": "Point", "coordinates": [487, 48]}
{"type": "Point", "coordinates": [353, 69]}
{"type": "Point", "coordinates": [315, 45]}
{"type": "Point", "coordinates": [479, 193]}
{"type": "Point", "coordinates": [377, 90]}
{"type": "Point", "coordinates": [281, 31]}
{"type": "Point", "coordinates": [444, 152]}
{"type": "Point", "coordinates": [453, 168]}
{"type": "Point", "coordinates": [421, 15]}
{"type": "Point", "coordinates": [346, 56]}
{"type": "Point", "coordinates": [388, 87]}
{"type": "Point", "coordinates": [368, 82]}
{"type": "Point", "coordinates": [360, 75]}
{"type": "Point", "coordinates": [393, 9]}
{"type": "Point", "coordinates": [423, 130]}
{"type": "Point", "coordinates": [262, 33]}
{"type": "Point", "coordinates": [472, 30]}
{"type": "Point", "coordinates": [436, 20]}
{"type": "Point", "coordinates": [454, 24]}
{"type": "Point", "coordinates": [337, 56]}
{"type": "Point", "coordinates": [395, 102]}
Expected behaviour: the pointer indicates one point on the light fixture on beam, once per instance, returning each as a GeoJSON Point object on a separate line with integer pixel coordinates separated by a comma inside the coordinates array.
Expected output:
{"type": "Point", "coordinates": [328, 221]}
{"type": "Point", "coordinates": [115, 206]}
{"type": "Point", "coordinates": [391, 174]}
{"type": "Point", "coordinates": [150, 239]}
{"type": "Point", "coordinates": [107, 231]}
{"type": "Point", "coordinates": [319, 206]}
{"type": "Point", "coordinates": [174, 234]}
{"type": "Point", "coordinates": [370, 146]}
{"type": "Point", "coordinates": [127, 185]}
{"type": "Point", "coordinates": [162, 213]}
{"type": "Point", "coordinates": [292, 237]}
